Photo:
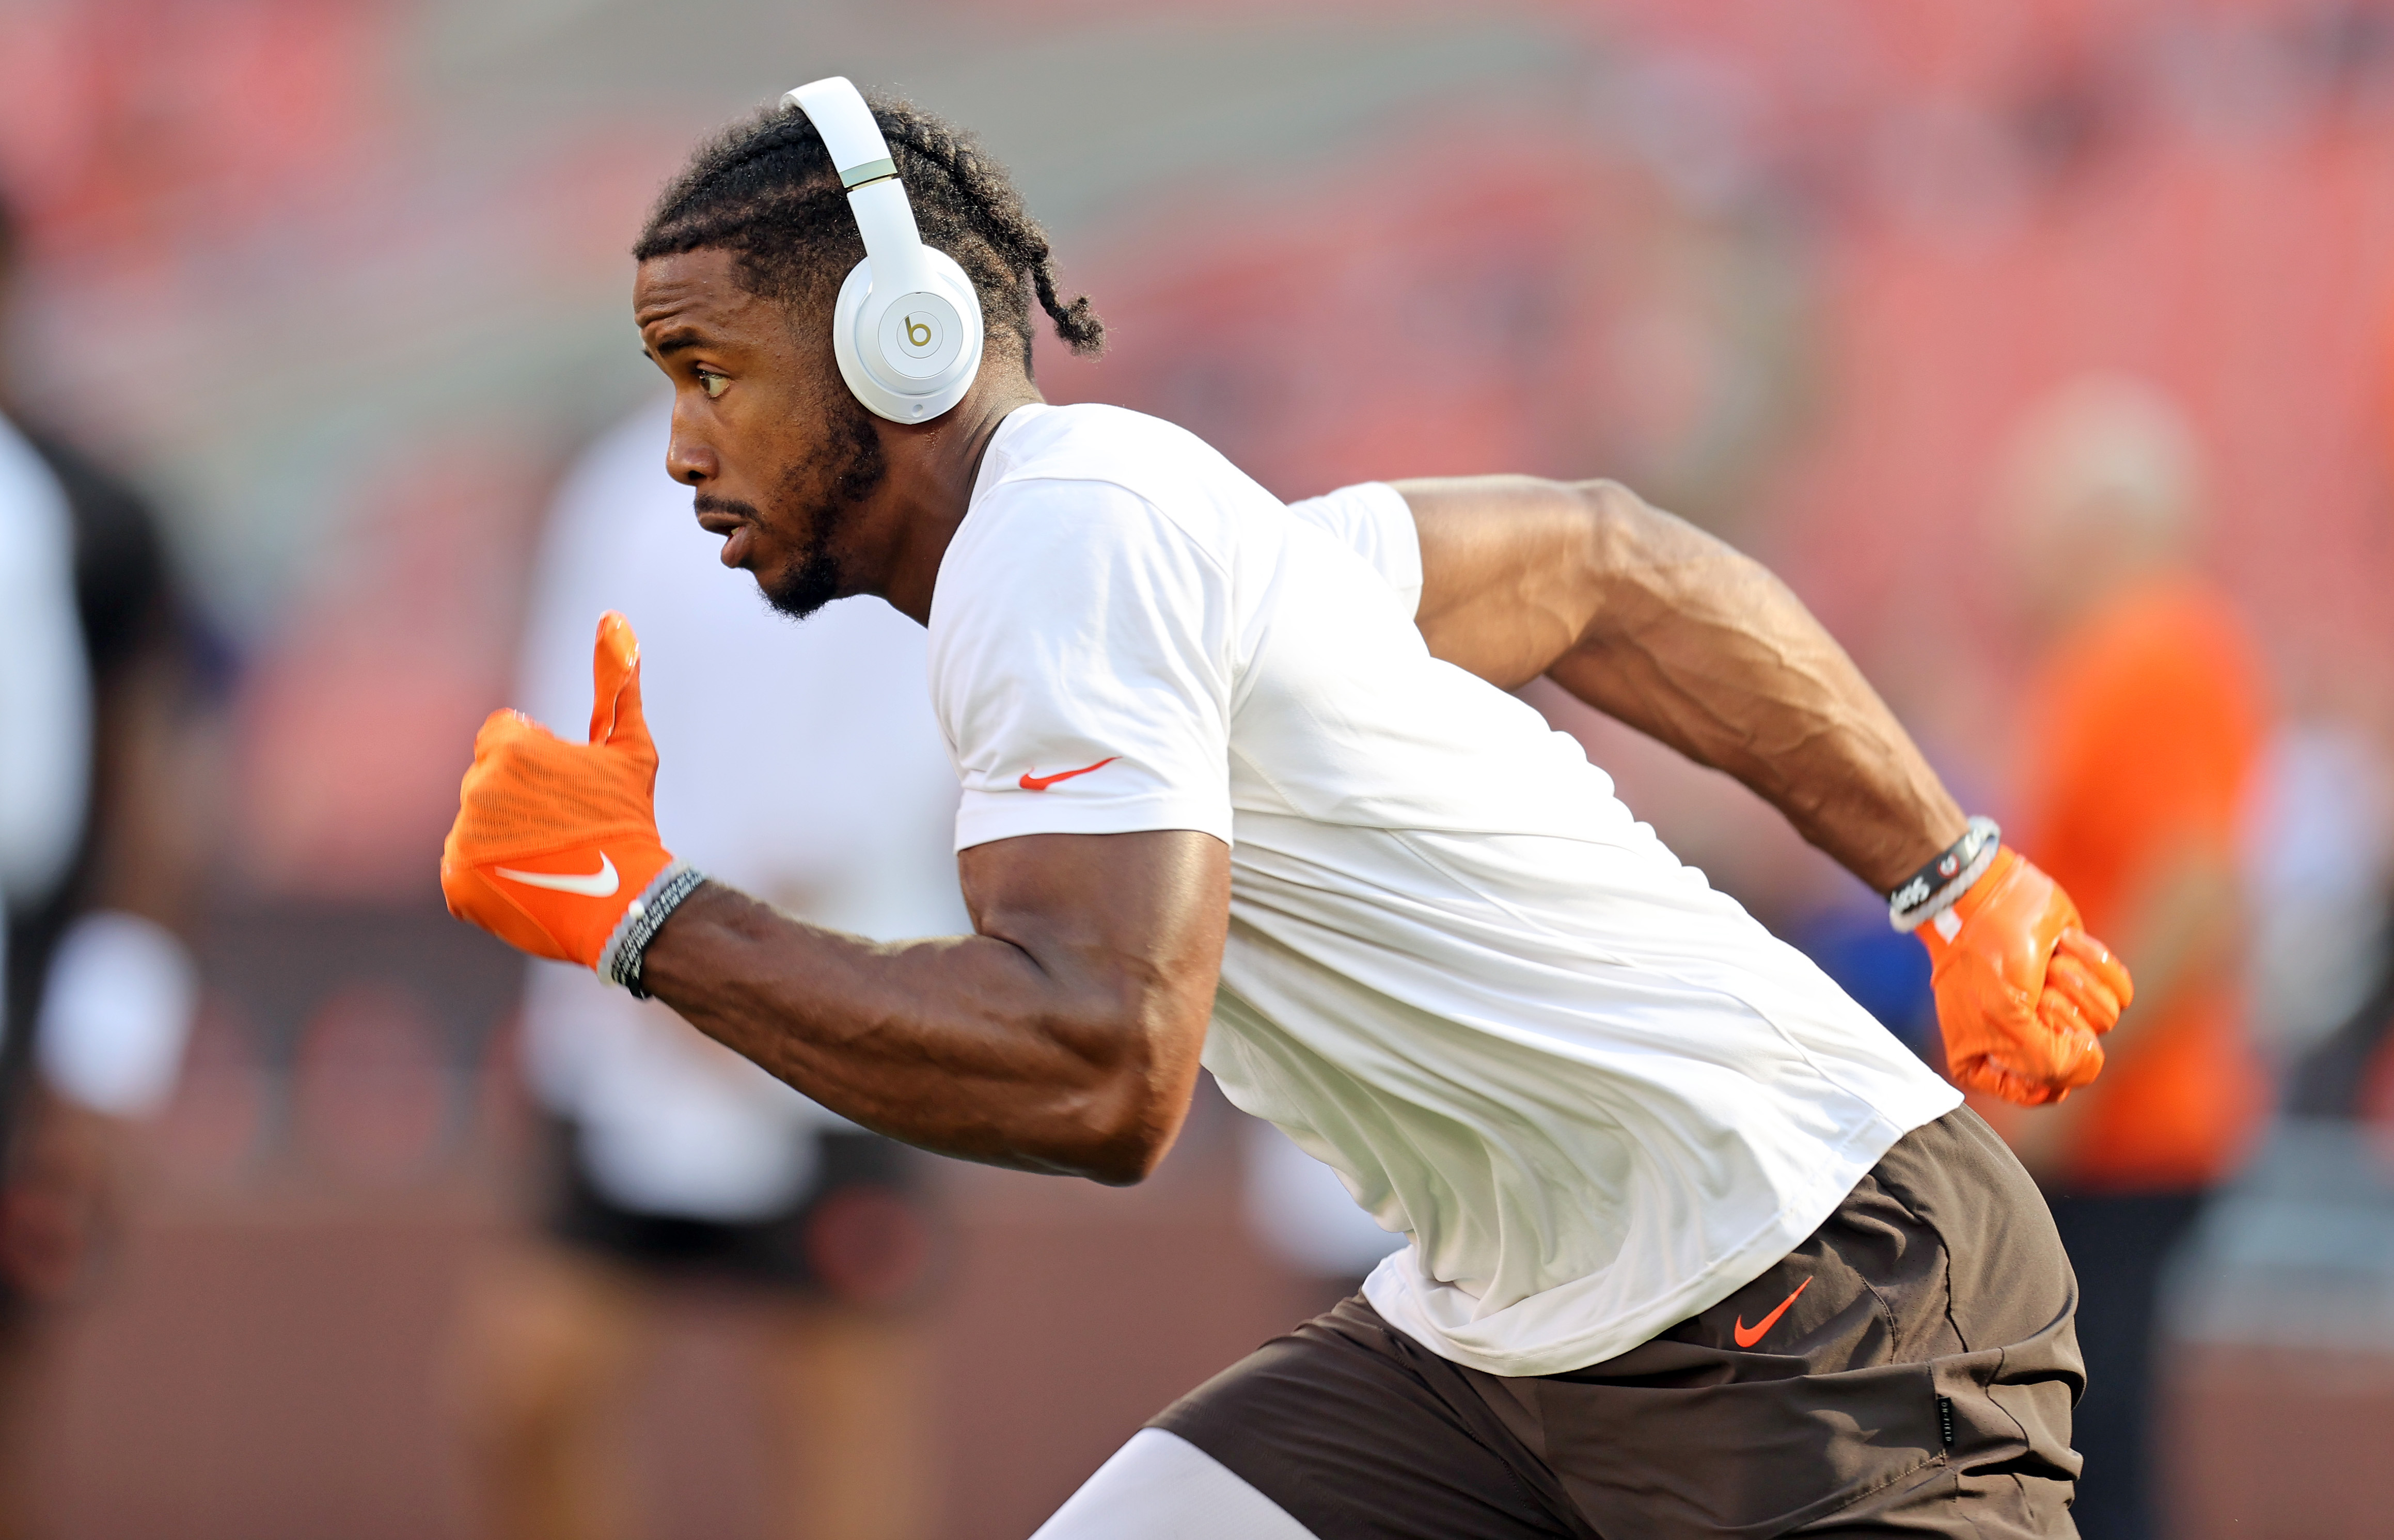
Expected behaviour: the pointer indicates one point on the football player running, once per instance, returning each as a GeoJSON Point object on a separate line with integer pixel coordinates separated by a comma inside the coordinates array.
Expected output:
{"type": "Point", "coordinates": [1696, 1247]}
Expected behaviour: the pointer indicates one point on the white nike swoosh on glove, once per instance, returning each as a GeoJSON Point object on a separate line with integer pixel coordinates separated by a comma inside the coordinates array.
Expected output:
{"type": "Point", "coordinates": [599, 885]}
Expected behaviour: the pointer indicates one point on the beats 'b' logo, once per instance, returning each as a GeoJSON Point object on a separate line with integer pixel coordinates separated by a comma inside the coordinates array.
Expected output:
{"type": "Point", "coordinates": [919, 336]}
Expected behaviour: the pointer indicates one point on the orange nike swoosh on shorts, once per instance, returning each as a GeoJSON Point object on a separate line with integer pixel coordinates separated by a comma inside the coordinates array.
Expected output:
{"type": "Point", "coordinates": [1041, 783]}
{"type": "Point", "coordinates": [1747, 1336]}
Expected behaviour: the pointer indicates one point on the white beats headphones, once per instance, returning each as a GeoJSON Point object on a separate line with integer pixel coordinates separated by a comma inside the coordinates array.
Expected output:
{"type": "Point", "coordinates": [907, 327]}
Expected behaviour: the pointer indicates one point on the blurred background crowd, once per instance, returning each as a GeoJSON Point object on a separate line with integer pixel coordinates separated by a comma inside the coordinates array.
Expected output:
{"type": "Point", "coordinates": [2046, 347]}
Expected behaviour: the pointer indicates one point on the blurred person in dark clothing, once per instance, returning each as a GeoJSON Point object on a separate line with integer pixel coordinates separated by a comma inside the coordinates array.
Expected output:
{"type": "Point", "coordinates": [44, 754]}
{"type": "Point", "coordinates": [2147, 724]}
{"type": "Point", "coordinates": [100, 988]}
{"type": "Point", "coordinates": [676, 1162]}
{"type": "Point", "coordinates": [44, 757]}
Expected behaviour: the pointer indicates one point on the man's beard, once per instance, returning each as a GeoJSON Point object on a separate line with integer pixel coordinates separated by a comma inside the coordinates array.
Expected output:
{"type": "Point", "coordinates": [822, 499]}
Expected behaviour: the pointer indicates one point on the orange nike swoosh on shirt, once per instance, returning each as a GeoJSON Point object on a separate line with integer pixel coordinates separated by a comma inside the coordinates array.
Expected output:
{"type": "Point", "coordinates": [1041, 783]}
{"type": "Point", "coordinates": [1747, 1336]}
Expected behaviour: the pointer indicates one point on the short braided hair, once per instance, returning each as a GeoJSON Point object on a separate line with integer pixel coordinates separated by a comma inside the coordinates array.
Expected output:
{"type": "Point", "coordinates": [765, 190]}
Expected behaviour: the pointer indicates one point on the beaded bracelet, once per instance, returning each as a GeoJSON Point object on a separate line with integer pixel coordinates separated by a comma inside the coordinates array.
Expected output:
{"type": "Point", "coordinates": [620, 963]}
{"type": "Point", "coordinates": [1934, 888]}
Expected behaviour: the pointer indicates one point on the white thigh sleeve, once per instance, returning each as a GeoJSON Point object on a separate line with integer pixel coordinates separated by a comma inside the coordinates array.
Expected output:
{"type": "Point", "coordinates": [1159, 1486]}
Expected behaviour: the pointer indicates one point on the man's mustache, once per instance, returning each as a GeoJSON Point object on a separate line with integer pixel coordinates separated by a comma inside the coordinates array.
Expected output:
{"type": "Point", "coordinates": [706, 502]}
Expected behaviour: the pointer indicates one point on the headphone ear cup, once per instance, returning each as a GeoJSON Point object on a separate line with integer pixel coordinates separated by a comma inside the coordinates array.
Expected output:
{"type": "Point", "coordinates": [846, 311]}
{"type": "Point", "coordinates": [909, 362]}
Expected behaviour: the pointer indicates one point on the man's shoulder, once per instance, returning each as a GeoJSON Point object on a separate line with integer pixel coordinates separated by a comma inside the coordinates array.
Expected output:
{"type": "Point", "coordinates": [1043, 439]}
{"type": "Point", "coordinates": [1115, 475]}
{"type": "Point", "coordinates": [1159, 463]}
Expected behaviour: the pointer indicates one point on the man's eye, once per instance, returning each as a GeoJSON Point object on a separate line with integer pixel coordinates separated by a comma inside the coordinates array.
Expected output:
{"type": "Point", "coordinates": [711, 382]}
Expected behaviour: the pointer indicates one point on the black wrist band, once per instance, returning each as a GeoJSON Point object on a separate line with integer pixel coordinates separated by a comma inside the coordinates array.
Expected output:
{"type": "Point", "coordinates": [1932, 890]}
{"type": "Point", "coordinates": [620, 963]}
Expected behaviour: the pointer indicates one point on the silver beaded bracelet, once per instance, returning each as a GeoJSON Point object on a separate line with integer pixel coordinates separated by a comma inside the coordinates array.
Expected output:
{"type": "Point", "coordinates": [620, 962]}
{"type": "Point", "coordinates": [1935, 887]}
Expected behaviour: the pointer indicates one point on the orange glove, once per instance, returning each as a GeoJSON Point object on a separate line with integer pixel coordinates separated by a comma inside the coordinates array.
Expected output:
{"type": "Point", "coordinates": [555, 841]}
{"type": "Point", "coordinates": [2022, 991]}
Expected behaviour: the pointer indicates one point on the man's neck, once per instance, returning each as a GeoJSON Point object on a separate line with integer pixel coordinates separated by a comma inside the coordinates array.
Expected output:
{"type": "Point", "coordinates": [931, 476]}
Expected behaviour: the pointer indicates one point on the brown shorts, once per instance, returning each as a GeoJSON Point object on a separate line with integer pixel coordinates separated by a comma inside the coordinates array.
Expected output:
{"type": "Point", "coordinates": [1908, 1370]}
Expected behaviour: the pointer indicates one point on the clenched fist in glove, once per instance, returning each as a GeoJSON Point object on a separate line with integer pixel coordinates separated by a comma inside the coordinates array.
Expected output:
{"type": "Point", "coordinates": [555, 846]}
{"type": "Point", "coordinates": [2023, 993]}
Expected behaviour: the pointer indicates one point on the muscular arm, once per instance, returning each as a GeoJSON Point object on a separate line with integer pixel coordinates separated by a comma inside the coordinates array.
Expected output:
{"type": "Point", "coordinates": [1062, 1038]}
{"type": "Point", "coordinates": [1653, 622]}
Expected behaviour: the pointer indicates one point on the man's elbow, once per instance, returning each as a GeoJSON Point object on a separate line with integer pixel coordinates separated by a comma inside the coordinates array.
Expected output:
{"type": "Point", "coordinates": [1125, 1121]}
{"type": "Point", "coordinates": [1127, 1132]}
{"type": "Point", "coordinates": [1111, 1158]}
{"type": "Point", "coordinates": [1618, 527]}
{"type": "Point", "coordinates": [1129, 1164]}
{"type": "Point", "coordinates": [1640, 557]}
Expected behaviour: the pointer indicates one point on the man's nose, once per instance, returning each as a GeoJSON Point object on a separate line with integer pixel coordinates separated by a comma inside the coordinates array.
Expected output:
{"type": "Point", "coordinates": [688, 460]}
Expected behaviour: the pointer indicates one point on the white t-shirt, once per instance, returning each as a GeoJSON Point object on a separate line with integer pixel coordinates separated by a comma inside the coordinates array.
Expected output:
{"type": "Point", "coordinates": [44, 689]}
{"type": "Point", "coordinates": [799, 761]}
{"type": "Point", "coordinates": [1595, 1094]}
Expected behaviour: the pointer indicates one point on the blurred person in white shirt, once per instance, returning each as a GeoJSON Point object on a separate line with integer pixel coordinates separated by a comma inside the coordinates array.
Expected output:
{"type": "Point", "coordinates": [676, 1160]}
{"type": "Point", "coordinates": [43, 685]}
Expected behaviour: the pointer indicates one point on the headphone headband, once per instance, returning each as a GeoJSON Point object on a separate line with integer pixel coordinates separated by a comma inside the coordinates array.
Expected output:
{"type": "Point", "coordinates": [907, 326]}
{"type": "Point", "coordinates": [837, 110]}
